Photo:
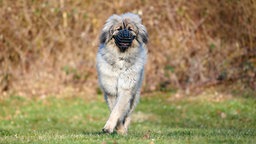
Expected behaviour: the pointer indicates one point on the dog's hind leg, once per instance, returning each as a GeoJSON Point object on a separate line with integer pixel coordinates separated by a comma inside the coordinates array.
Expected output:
{"type": "Point", "coordinates": [122, 126]}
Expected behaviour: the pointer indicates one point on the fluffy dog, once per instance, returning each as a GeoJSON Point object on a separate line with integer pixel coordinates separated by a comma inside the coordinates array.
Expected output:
{"type": "Point", "coordinates": [121, 58]}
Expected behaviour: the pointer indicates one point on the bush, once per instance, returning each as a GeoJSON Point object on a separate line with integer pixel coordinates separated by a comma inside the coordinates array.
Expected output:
{"type": "Point", "coordinates": [192, 43]}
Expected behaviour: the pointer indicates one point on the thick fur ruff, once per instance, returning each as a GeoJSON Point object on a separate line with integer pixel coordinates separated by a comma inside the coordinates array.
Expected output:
{"type": "Point", "coordinates": [120, 72]}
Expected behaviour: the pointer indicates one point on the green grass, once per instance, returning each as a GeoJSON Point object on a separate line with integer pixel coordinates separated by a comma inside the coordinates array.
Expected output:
{"type": "Point", "coordinates": [157, 119]}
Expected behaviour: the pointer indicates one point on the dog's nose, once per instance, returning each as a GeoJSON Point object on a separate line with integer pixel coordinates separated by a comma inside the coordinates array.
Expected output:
{"type": "Point", "coordinates": [126, 33]}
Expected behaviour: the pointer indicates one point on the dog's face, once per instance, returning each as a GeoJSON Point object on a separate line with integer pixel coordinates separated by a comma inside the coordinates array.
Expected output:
{"type": "Point", "coordinates": [124, 32]}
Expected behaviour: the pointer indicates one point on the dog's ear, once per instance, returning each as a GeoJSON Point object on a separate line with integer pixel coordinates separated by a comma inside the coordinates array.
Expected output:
{"type": "Point", "coordinates": [106, 35]}
{"type": "Point", "coordinates": [143, 34]}
{"type": "Point", "coordinates": [103, 37]}
{"type": "Point", "coordinates": [107, 30]}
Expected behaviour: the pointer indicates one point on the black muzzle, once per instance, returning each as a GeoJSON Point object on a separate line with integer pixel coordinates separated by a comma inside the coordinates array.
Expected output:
{"type": "Point", "coordinates": [124, 39]}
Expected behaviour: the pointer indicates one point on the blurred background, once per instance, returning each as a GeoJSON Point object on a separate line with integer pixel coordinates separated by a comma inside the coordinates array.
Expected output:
{"type": "Point", "coordinates": [48, 47]}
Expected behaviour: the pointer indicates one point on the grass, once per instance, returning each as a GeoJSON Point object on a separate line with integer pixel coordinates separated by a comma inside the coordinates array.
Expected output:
{"type": "Point", "coordinates": [157, 119]}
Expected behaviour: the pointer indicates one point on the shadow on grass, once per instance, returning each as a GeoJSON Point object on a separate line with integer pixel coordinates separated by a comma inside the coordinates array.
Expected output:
{"type": "Point", "coordinates": [98, 133]}
{"type": "Point", "coordinates": [112, 135]}
{"type": "Point", "coordinates": [92, 133]}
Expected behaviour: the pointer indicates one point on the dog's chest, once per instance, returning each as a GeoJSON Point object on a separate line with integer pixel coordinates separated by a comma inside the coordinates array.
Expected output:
{"type": "Point", "coordinates": [117, 63]}
{"type": "Point", "coordinates": [122, 64]}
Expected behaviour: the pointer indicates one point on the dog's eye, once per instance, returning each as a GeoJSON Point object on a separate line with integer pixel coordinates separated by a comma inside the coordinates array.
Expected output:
{"type": "Point", "coordinates": [130, 29]}
{"type": "Point", "coordinates": [120, 28]}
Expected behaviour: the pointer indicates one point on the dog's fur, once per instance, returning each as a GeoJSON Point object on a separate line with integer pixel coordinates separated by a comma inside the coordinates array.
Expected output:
{"type": "Point", "coordinates": [120, 73]}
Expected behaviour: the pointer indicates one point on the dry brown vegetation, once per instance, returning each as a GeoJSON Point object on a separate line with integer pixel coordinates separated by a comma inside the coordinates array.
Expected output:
{"type": "Point", "coordinates": [48, 47]}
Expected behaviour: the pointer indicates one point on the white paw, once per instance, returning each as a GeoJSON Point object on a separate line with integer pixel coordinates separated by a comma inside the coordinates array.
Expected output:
{"type": "Point", "coordinates": [105, 130]}
{"type": "Point", "coordinates": [108, 128]}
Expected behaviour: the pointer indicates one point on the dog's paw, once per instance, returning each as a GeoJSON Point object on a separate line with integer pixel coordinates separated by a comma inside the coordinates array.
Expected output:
{"type": "Point", "coordinates": [107, 130]}
{"type": "Point", "coordinates": [121, 131]}
{"type": "Point", "coordinates": [109, 127]}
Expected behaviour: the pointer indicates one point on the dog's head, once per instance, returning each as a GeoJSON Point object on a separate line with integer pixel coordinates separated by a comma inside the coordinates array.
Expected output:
{"type": "Point", "coordinates": [124, 31]}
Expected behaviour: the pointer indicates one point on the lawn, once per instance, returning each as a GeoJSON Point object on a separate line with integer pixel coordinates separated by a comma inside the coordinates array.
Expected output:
{"type": "Point", "coordinates": [159, 118]}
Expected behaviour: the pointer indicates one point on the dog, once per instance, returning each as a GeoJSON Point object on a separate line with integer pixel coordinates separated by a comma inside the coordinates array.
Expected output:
{"type": "Point", "coordinates": [120, 62]}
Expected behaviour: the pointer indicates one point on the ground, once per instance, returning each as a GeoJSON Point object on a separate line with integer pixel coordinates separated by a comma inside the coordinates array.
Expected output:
{"type": "Point", "coordinates": [159, 118]}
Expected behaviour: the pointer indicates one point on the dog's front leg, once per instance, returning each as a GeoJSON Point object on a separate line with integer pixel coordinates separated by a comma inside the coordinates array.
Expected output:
{"type": "Point", "coordinates": [126, 86]}
{"type": "Point", "coordinates": [119, 111]}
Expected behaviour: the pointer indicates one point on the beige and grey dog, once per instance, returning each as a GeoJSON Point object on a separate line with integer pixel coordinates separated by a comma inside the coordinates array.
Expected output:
{"type": "Point", "coordinates": [121, 58]}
